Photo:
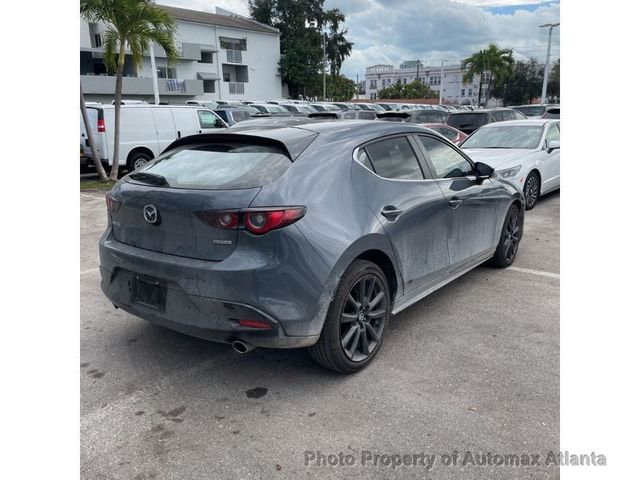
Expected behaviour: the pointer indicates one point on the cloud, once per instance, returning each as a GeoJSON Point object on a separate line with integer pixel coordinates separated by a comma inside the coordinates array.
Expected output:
{"type": "Point", "coordinates": [390, 31]}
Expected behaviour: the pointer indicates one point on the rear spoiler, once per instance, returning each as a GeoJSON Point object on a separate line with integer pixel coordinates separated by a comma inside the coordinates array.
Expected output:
{"type": "Point", "coordinates": [293, 141]}
{"type": "Point", "coordinates": [335, 115]}
{"type": "Point", "coordinates": [394, 115]}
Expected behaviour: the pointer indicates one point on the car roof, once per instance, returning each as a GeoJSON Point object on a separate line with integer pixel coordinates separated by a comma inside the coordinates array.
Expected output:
{"type": "Point", "coordinates": [530, 122]}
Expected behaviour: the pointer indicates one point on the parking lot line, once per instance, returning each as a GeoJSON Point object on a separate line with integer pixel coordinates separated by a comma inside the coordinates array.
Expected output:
{"type": "Point", "coordinates": [89, 270]}
{"type": "Point", "coordinates": [535, 272]}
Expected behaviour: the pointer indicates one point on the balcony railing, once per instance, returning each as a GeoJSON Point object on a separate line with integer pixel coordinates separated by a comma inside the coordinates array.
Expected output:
{"type": "Point", "coordinates": [234, 56]}
{"type": "Point", "coordinates": [236, 88]}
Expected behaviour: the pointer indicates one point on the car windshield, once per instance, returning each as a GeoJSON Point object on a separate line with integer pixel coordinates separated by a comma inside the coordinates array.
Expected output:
{"type": "Point", "coordinates": [531, 110]}
{"type": "Point", "coordinates": [507, 136]}
{"type": "Point", "coordinates": [220, 166]}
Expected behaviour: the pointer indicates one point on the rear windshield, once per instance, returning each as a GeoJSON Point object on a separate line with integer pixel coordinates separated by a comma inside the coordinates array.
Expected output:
{"type": "Point", "coordinates": [467, 120]}
{"type": "Point", "coordinates": [215, 167]}
{"type": "Point", "coordinates": [532, 110]}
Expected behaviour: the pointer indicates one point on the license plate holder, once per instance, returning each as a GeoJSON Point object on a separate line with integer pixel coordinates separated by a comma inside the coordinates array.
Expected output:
{"type": "Point", "coordinates": [148, 291]}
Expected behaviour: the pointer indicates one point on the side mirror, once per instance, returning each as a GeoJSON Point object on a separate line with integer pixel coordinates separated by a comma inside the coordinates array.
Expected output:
{"type": "Point", "coordinates": [482, 171]}
{"type": "Point", "coordinates": [553, 145]}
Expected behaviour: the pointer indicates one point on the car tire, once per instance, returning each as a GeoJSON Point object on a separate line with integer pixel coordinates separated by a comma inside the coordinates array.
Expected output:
{"type": "Point", "coordinates": [510, 237]}
{"type": "Point", "coordinates": [137, 160]}
{"type": "Point", "coordinates": [361, 307]}
{"type": "Point", "coordinates": [531, 190]}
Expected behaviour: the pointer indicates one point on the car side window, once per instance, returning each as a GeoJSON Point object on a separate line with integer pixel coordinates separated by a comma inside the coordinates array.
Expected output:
{"type": "Point", "coordinates": [395, 159]}
{"type": "Point", "coordinates": [498, 116]}
{"type": "Point", "coordinates": [448, 163]}
{"type": "Point", "coordinates": [350, 116]}
{"type": "Point", "coordinates": [553, 133]}
{"type": "Point", "coordinates": [208, 119]}
{"type": "Point", "coordinates": [447, 133]}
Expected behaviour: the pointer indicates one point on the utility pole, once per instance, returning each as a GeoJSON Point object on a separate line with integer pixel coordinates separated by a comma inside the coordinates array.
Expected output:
{"type": "Point", "coordinates": [154, 73]}
{"type": "Point", "coordinates": [543, 98]}
{"type": "Point", "coordinates": [441, 80]}
{"type": "Point", "coordinates": [324, 66]}
{"type": "Point", "coordinates": [417, 69]}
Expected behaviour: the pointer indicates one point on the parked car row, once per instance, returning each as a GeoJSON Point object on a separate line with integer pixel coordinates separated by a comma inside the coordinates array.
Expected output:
{"type": "Point", "coordinates": [147, 129]}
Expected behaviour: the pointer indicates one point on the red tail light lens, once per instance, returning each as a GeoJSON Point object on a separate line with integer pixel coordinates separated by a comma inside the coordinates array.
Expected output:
{"type": "Point", "coordinates": [261, 222]}
{"type": "Point", "coordinates": [113, 205]}
{"type": "Point", "coordinates": [101, 127]}
{"type": "Point", "coordinates": [256, 221]}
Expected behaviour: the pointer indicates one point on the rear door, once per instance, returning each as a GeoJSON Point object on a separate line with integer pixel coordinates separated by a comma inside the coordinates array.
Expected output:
{"type": "Point", "coordinates": [185, 121]}
{"type": "Point", "coordinates": [471, 206]}
{"type": "Point", "coordinates": [99, 137]}
{"type": "Point", "coordinates": [396, 186]}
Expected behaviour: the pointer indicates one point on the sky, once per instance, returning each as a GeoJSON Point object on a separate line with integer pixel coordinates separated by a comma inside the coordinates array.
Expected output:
{"type": "Point", "coordinates": [390, 31]}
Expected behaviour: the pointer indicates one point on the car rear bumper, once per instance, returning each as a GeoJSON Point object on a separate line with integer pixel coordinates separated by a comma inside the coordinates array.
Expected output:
{"type": "Point", "coordinates": [207, 299]}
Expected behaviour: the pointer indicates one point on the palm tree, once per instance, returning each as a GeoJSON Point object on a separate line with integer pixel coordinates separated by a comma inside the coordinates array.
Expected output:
{"type": "Point", "coordinates": [135, 24]}
{"type": "Point", "coordinates": [498, 62]}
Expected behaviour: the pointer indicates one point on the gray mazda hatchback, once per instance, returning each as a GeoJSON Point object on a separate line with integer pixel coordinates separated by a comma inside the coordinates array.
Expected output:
{"type": "Point", "coordinates": [305, 236]}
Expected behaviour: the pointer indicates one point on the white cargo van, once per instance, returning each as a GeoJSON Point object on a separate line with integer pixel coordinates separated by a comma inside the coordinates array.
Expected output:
{"type": "Point", "coordinates": [145, 130]}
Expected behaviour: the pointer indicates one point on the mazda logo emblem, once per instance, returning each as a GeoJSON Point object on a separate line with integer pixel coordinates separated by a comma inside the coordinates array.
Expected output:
{"type": "Point", "coordinates": [150, 213]}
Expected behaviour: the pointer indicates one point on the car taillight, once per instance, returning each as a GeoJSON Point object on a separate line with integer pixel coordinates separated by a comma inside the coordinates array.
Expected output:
{"type": "Point", "coordinates": [256, 221]}
{"type": "Point", "coordinates": [101, 127]}
{"type": "Point", "coordinates": [113, 205]}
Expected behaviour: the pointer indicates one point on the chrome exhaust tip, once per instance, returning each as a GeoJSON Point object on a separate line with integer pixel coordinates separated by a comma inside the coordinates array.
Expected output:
{"type": "Point", "coordinates": [241, 347]}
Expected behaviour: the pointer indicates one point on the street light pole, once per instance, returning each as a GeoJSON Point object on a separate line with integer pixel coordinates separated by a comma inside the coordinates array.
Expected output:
{"type": "Point", "coordinates": [441, 80]}
{"type": "Point", "coordinates": [154, 74]}
{"type": "Point", "coordinates": [324, 67]}
{"type": "Point", "coordinates": [543, 98]}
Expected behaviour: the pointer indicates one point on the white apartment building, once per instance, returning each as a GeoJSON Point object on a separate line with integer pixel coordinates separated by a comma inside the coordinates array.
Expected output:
{"type": "Point", "coordinates": [223, 56]}
{"type": "Point", "coordinates": [447, 78]}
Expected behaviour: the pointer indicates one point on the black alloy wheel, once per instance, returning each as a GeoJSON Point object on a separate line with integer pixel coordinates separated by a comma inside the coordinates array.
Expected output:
{"type": "Point", "coordinates": [363, 317]}
{"type": "Point", "coordinates": [511, 236]}
{"type": "Point", "coordinates": [531, 190]}
{"type": "Point", "coordinates": [354, 328]}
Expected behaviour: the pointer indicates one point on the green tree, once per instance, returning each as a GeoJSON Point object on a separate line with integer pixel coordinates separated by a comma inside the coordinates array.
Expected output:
{"type": "Point", "coordinates": [415, 89]}
{"type": "Point", "coordinates": [301, 24]}
{"type": "Point", "coordinates": [340, 88]}
{"type": "Point", "coordinates": [394, 90]}
{"type": "Point", "coordinates": [338, 48]}
{"type": "Point", "coordinates": [135, 24]}
{"type": "Point", "coordinates": [496, 61]}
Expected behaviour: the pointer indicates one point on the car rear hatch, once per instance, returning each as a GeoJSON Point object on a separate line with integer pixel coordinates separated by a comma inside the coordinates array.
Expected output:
{"type": "Point", "coordinates": [175, 203]}
{"type": "Point", "coordinates": [467, 122]}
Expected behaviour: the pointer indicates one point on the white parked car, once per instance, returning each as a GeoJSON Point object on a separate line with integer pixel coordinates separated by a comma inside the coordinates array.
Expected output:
{"type": "Point", "coordinates": [527, 152]}
{"type": "Point", "coordinates": [145, 130]}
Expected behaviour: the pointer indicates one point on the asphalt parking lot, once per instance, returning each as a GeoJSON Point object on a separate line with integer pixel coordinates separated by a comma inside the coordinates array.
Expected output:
{"type": "Point", "coordinates": [473, 367]}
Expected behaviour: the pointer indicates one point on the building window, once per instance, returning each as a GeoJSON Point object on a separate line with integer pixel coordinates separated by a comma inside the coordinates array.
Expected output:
{"type": "Point", "coordinates": [166, 72]}
{"type": "Point", "coordinates": [470, 92]}
{"type": "Point", "coordinates": [373, 84]}
{"type": "Point", "coordinates": [233, 43]}
{"type": "Point", "coordinates": [209, 86]}
{"type": "Point", "coordinates": [206, 57]}
{"type": "Point", "coordinates": [404, 80]}
{"type": "Point", "coordinates": [462, 93]}
{"type": "Point", "coordinates": [97, 39]}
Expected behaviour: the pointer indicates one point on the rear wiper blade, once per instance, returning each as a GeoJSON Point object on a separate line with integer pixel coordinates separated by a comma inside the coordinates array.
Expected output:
{"type": "Point", "coordinates": [150, 178]}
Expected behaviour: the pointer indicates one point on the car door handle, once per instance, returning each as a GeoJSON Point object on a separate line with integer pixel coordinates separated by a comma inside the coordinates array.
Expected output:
{"type": "Point", "coordinates": [455, 202]}
{"type": "Point", "coordinates": [391, 213]}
